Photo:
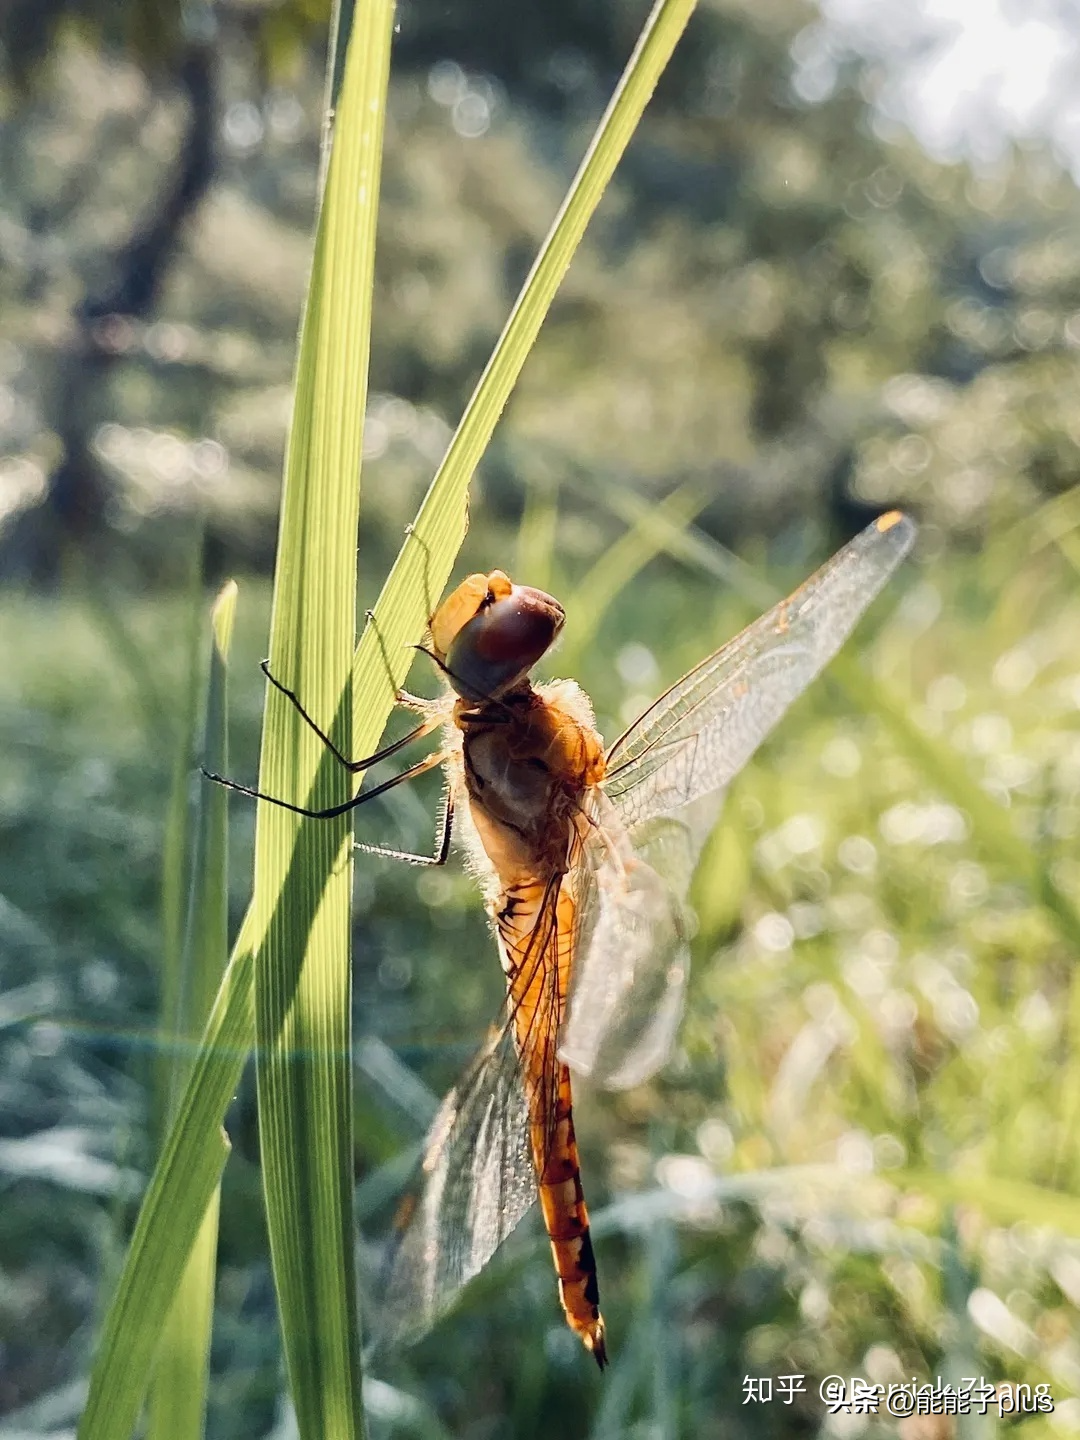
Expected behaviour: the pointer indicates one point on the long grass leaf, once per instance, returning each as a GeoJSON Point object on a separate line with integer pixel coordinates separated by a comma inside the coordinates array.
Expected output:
{"type": "Point", "coordinates": [303, 870]}
{"type": "Point", "coordinates": [174, 850]}
{"type": "Point", "coordinates": [178, 1395]}
{"type": "Point", "coordinates": [182, 1186]}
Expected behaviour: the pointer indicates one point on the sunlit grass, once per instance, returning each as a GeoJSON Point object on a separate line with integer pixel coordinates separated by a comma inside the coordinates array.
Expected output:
{"type": "Point", "coordinates": [191, 974]}
{"type": "Point", "coordinates": [872, 987]}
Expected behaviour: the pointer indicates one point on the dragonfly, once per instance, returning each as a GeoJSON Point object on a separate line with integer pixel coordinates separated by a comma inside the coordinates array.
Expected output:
{"type": "Point", "coordinates": [585, 856]}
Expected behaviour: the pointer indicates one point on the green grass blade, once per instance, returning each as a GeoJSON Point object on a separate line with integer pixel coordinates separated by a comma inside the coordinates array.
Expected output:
{"type": "Point", "coordinates": [1007, 1202]}
{"type": "Point", "coordinates": [178, 1395]}
{"type": "Point", "coordinates": [692, 546]}
{"type": "Point", "coordinates": [421, 569]}
{"type": "Point", "coordinates": [177, 1402]}
{"type": "Point", "coordinates": [183, 1185]}
{"type": "Point", "coordinates": [303, 870]}
{"type": "Point", "coordinates": [179, 1208]}
{"type": "Point", "coordinates": [208, 924]}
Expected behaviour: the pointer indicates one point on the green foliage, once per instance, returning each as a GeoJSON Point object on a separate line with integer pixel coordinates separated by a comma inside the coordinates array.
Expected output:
{"type": "Point", "coordinates": [864, 1158]}
{"type": "Point", "coordinates": [295, 930]}
{"type": "Point", "coordinates": [871, 984]}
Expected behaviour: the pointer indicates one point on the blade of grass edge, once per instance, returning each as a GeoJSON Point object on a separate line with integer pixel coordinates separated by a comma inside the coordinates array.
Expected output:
{"type": "Point", "coordinates": [174, 850]}
{"type": "Point", "coordinates": [178, 1391]}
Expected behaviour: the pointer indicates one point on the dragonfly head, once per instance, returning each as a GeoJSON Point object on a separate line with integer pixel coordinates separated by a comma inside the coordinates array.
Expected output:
{"type": "Point", "coordinates": [490, 633]}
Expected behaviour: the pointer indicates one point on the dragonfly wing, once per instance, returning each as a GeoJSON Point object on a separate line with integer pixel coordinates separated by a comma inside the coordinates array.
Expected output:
{"type": "Point", "coordinates": [476, 1182]}
{"type": "Point", "coordinates": [632, 959]}
{"type": "Point", "coordinates": [662, 795]}
{"type": "Point", "coordinates": [698, 735]}
{"type": "Point", "coordinates": [492, 1132]}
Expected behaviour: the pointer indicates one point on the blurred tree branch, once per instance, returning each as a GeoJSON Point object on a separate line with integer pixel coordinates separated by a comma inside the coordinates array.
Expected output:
{"type": "Point", "coordinates": [74, 507]}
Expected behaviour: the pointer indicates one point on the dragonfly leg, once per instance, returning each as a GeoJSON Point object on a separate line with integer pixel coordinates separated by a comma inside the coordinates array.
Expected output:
{"type": "Point", "coordinates": [485, 702]}
{"type": "Point", "coordinates": [411, 533]}
{"type": "Point", "coordinates": [420, 768]}
{"type": "Point", "coordinates": [408, 701]}
{"type": "Point", "coordinates": [353, 766]}
{"type": "Point", "coordinates": [442, 841]}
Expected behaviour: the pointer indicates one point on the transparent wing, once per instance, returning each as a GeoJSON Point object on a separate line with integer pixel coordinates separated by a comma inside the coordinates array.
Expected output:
{"type": "Point", "coordinates": [662, 796]}
{"type": "Point", "coordinates": [701, 733]}
{"type": "Point", "coordinates": [632, 958]}
{"type": "Point", "coordinates": [477, 1177]}
{"type": "Point", "coordinates": [475, 1184]}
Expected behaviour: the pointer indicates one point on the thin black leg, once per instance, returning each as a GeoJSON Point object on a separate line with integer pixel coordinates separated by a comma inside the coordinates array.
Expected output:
{"type": "Point", "coordinates": [353, 766]}
{"type": "Point", "coordinates": [373, 622]}
{"type": "Point", "coordinates": [442, 666]}
{"type": "Point", "coordinates": [420, 768]}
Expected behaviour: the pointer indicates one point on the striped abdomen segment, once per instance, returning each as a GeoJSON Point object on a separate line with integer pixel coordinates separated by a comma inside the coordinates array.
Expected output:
{"type": "Point", "coordinates": [536, 928]}
{"type": "Point", "coordinates": [566, 1220]}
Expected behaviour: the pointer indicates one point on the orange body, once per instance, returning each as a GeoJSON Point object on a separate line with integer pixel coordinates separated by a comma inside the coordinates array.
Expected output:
{"type": "Point", "coordinates": [527, 761]}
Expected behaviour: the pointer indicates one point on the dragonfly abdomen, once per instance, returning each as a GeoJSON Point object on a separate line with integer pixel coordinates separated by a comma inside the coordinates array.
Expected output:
{"type": "Point", "coordinates": [566, 1220]}
{"type": "Point", "coordinates": [535, 919]}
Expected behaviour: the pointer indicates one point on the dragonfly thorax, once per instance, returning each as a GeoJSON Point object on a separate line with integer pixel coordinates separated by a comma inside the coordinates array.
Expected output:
{"type": "Point", "coordinates": [528, 761]}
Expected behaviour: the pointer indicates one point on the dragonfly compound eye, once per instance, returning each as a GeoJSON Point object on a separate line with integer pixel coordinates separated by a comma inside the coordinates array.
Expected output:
{"type": "Point", "coordinates": [502, 642]}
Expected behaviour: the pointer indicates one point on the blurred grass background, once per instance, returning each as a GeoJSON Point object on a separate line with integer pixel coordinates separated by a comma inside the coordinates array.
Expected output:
{"type": "Point", "coordinates": [864, 1159]}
